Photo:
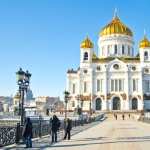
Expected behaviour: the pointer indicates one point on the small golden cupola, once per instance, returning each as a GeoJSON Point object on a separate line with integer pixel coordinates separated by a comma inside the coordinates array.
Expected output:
{"type": "Point", "coordinates": [86, 43]}
{"type": "Point", "coordinates": [115, 27]}
{"type": "Point", "coordinates": [145, 43]}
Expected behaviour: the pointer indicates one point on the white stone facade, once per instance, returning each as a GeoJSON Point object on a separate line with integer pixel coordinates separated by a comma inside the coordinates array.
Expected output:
{"type": "Point", "coordinates": [115, 80]}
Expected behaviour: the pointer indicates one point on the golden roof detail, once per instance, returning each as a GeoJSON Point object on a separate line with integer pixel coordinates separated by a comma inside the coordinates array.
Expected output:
{"type": "Point", "coordinates": [144, 43]}
{"type": "Point", "coordinates": [115, 27]}
{"type": "Point", "coordinates": [17, 96]}
{"type": "Point", "coordinates": [94, 56]}
{"type": "Point", "coordinates": [86, 43]}
{"type": "Point", "coordinates": [124, 59]}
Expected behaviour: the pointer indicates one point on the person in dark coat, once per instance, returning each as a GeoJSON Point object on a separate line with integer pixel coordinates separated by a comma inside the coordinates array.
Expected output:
{"type": "Point", "coordinates": [68, 127]}
{"type": "Point", "coordinates": [129, 115]}
{"type": "Point", "coordinates": [28, 133]}
{"type": "Point", "coordinates": [123, 116]}
{"type": "Point", "coordinates": [55, 124]}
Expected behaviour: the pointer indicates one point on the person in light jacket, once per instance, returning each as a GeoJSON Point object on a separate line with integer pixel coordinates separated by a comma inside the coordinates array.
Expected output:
{"type": "Point", "coordinates": [68, 127]}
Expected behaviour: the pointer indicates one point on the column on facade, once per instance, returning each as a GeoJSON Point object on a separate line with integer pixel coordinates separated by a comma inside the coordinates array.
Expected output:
{"type": "Point", "coordinates": [78, 104]}
{"type": "Point", "coordinates": [92, 84]}
{"type": "Point", "coordinates": [106, 105]}
{"type": "Point", "coordinates": [127, 83]}
{"type": "Point", "coordinates": [140, 91]}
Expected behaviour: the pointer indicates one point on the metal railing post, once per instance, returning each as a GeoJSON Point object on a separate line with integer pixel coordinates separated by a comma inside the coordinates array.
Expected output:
{"type": "Point", "coordinates": [40, 126]}
{"type": "Point", "coordinates": [18, 133]}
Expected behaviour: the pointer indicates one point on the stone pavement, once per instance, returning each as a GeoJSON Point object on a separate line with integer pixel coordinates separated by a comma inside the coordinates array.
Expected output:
{"type": "Point", "coordinates": [44, 142]}
{"type": "Point", "coordinates": [110, 135]}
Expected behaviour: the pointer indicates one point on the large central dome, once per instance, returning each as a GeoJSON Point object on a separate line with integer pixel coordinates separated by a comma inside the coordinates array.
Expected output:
{"type": "Point", "coordinates": [116, 27]}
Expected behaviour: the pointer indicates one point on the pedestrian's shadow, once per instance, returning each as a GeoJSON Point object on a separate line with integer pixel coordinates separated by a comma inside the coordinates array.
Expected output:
{"type": "Point", "coordinates": [89, 139]}
{"type": "Point", "coordinates": [117, 140]}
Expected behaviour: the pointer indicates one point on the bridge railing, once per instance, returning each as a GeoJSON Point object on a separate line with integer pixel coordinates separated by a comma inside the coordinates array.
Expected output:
{"type": "Point", "coordinates": [145, 117]}
{"type": "Point", "coordinates": [13, 134]}
{"type": "Point", "coordinates": [7, 135]}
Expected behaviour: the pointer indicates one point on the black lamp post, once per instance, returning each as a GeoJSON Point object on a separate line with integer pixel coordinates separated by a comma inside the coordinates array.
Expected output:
{"type": "Point", "coordinates": [78, 107]}
{"type": "Point", "coordinates": [90, 108]}
{"type": "Point", "coordinates": [82, 104]}
{"type": "Point", "coordinates": [66, 97]}
{"type": "Point", "coordinates": [23, 80]}
{"type": "Point", "coordinates": [81, 110]}
{"type": "Point", "coordinates": [78, 99]}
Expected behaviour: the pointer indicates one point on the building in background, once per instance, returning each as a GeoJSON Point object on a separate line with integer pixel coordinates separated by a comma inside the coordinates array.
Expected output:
{"type": "Point", "coordinates": [5, 103]}
{"type": "Point", "coordinates": [115, 79]}
{"type": "Point", "coordinates": [42, 105]}
{"type": "Point", "coordinates": [1, 106]}
{"type": "Point", "coordinates": [16, 99]}
{"type": "Point", "coordinates": [29, 95]}
{"type": "Point", "coordinates": [46, 105]}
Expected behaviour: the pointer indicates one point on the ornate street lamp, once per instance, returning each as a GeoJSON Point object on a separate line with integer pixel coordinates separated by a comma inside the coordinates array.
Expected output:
{"type": "Point", "coordinates": [66, 97]}
{"type": "Point", "coordinates": [81, 99]}
{"type": "Point", "coordinates": [23, 80]}
{"type": "Point", "coordinates": [81, 103]}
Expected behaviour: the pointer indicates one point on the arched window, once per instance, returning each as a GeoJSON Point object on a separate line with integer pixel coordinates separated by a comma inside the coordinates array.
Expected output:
{"type": "Point", "coordinates": [134, 104]}
{"type": "Point", "coordinates": [98, 104]}
{"type": "Point", "coordinates": [73, 88]}
{"type": "Point", "coordinates": [73, 104]}
{"type": "Point", "coordinates": [85, 87]}
{"type": "Point", "coordinates": [85, 56]}
{"type": "Point", "coordinates": [123, 49]}
{"type": "Point", "coordinates": [145, 55]}
{"type": "Point", "coordinates": [116, 103]}
{"type": "Point", "coordinates": [115, 49]}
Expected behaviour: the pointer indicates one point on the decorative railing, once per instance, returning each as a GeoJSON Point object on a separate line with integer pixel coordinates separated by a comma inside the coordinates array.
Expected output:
{"type": "Point", "coordinates": [13, 134]}
{"type": "Point", "coordinates": [145, 117]}
{"type": "Point", "coordinates": [7, 135]}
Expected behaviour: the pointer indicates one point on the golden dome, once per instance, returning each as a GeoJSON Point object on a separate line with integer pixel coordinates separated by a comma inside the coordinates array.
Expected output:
{"type": "Point", "coordinates": [144, 43]}
{"type": "Point", "coordinates": [116, 27]}
{"type": "Point", "coordinates": [17, 96]}
{"type": "Point", "coordinates": [86, 43]}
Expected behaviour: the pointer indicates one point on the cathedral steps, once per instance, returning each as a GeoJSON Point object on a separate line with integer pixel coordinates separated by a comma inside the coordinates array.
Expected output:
{"type": "Point", "coordinates": [127, 116]}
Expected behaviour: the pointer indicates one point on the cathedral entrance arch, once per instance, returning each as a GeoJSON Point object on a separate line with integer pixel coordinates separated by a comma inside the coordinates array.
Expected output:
{"type": "Point", "coordinates": [98, 103]}
{"type": "Point", "coordinates": [116, 103]}
{"type": "Point", "coordinates": [134, 104]}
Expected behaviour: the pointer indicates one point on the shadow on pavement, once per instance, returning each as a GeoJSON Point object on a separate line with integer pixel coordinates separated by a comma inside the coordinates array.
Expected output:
{"type": "Point", "coordinates": [116, 140]}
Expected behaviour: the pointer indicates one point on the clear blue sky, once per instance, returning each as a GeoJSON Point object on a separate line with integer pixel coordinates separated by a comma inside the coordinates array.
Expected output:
{"type": "Point", "coordinates": [43, 36]}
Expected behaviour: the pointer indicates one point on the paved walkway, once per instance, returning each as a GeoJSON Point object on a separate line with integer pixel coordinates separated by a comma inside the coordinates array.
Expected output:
{"type": "Point", "coordinates": [42, 143]}
{"type": "Point", "coordinates": [110, 135]}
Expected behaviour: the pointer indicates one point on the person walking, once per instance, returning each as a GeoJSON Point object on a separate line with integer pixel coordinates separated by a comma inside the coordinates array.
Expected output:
{"type": "Point", "coordinates": [55, 124]}
{"type": "Point", "coordinates": [27, 134]}
{"type": "Point", "coordinates": [114, 115]}
{"type": "Point", "coordinates": [129, 115]}
{"type": "Point", "coordinates": [68, 127]}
